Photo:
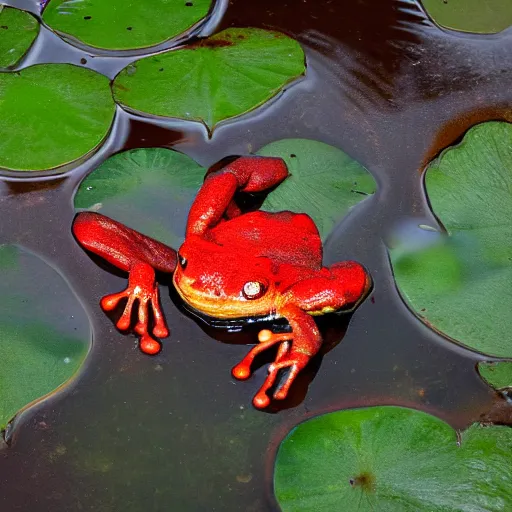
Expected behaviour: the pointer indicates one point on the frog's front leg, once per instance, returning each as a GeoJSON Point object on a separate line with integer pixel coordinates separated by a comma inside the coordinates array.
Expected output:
{"type": "Point", "coordinates": [138, 255]}
{"type": "Point", "coordinates": [295, 351]}
{"type": "Point", "coordinates": [215, 198]}
{"type": "Point", "coordinates": [341, 286]}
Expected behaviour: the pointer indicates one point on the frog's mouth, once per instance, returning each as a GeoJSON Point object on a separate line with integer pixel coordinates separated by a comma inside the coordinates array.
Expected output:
{"type": "Point", "coordinates": [279, 324]}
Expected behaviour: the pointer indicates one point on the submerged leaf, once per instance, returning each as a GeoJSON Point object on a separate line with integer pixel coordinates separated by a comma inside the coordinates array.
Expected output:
{"type": "Point", "coordinates": [18, 30]}
{"type": "Point", "coordinates": [324, 182]}
{"type": "Point", "coordinates": [460, 285]}
{"type": "Point", "coordinates": [150, 190]}
{"type": "Point", "coordinates": [123, 24]}
{"type": "Point", "coordinates": [59, 111]}
{"type": "Point", "coordinates": [471, 15]}
{"type": "Point", "coordinates": [44, 331]}
{"type": "Point", "coordinates": [392, 459]}
{"type": "Point", "coordinates": [215, 79]}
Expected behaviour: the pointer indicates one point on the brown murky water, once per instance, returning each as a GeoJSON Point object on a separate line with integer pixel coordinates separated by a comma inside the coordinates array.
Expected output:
{"type": "Point", "coordinates": [176, 432]}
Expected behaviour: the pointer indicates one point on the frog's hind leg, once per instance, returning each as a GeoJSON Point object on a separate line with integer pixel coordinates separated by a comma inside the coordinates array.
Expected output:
{"type": "Point", "coordinates": [214, 201]}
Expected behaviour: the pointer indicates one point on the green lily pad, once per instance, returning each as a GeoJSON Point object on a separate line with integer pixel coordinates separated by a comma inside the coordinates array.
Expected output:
{"type": "Point", "coordinates": [460, 283]}
{"type": "Point", "coordinates": [393, 459]}
{"type": "Point", "coordinates": [481, 16]}
{"type": "Point", "coordinates": [150, 190]}
{"type": "Point", "coordinates": [44, 331]}
{"type": "Point", "coordinates": [215, 79]}
{"type": "Point", "coordinates": [498, 374]}
{"type": "Point", "coordinates": [18, 30]}
{"type": "Point", "coordinates": [59, 111]}
{"type": "Point", "coordinates": [124, 24]}
{"type": "Point", "coordinates": [324, 183]}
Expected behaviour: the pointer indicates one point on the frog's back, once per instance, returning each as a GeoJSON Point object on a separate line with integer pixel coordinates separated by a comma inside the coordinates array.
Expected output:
{"type": "Point", "coordinates": [283, 236]}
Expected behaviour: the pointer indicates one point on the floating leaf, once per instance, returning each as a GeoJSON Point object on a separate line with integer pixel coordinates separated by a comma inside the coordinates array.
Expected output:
{"type": "Point", "coordinates": [59, 112]}
{"type": "Point", "coordinates": [18, 30]}
{"type": "Point", "coordinates": [123, 24]}
{"type": "Point", "coordinates": [460, 284]}
{"type": "Point", "coordinates": [150, 190]}
{"type": "Point", "coordinates": [393, 459]}
{"type": "Point", "coordinates": [324, 183]}
{"type": "Point", "coordinates": [215, 79]}
{"type": "Point", "coordinates": [498, 374]}
{"type": "Point", "coordinates": [471, 15]}
{"type": "Point", "coordinates": [44, 331]}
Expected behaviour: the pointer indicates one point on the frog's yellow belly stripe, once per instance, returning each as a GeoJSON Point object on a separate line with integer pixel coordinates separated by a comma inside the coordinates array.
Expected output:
{"type": "Point", "coordinates": [323, 311]}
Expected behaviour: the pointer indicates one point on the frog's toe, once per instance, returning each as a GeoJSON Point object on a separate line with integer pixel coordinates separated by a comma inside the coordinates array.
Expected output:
{"type": "Point", "coordinates": [261, 400]}
{"type": "Point", "coordinates": [110, 302]}
{"type": "Point", "coordinates": [267, 339]}
{"type": "Point", "coordinates": [296, 365]}
{"type": "Point", "coordinates": [160, 329]}
{"type": "Point", "coordinates": [126, 318]}
{"type": "Point", "coordinates": [141, 327]}
{"type": "Point", "coordinates": [295, 362]}
{"type": "Point", "coordinates": [148, 345]}
{"type": "Point", "coordinates": [241, 371]}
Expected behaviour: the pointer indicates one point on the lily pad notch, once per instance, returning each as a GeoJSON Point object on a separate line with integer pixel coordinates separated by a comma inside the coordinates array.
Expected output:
{"type": "Point", "coordinates": [214, 79]}
{"type": "Point", "coordinates": [459, 282]}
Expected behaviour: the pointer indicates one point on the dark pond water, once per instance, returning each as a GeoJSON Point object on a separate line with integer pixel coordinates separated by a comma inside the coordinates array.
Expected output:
{"type": "Point", "coordinates": [176, 432]}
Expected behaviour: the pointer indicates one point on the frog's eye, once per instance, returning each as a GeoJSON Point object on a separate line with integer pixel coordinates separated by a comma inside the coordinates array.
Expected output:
{"type": "Point", "coordinates": [253, 290]}
{"type": "Point", "coordinates": [182, 261]}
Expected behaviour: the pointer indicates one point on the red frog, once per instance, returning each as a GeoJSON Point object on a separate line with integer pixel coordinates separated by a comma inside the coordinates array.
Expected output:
{"type": "Point", "coordinates": [233, 265]}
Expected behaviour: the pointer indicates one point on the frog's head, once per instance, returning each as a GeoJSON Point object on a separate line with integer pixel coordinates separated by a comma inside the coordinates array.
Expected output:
{"type": "Point", "coordinates": [223, 283]}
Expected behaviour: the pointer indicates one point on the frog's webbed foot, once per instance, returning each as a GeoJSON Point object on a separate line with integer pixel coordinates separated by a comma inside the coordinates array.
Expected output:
{"type": "Point", "coordinates": [143, 289]}
{"type": "Point", "coordinates": [287, 357]}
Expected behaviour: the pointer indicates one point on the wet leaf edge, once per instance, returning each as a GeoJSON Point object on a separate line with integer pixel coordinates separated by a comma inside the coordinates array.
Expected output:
{"type": "Point", "coordinates": [170, 43]}
{"type": "Point", "coordinates": [34, 38]}
{"type": "Point", "coordinates": [440, 228]}
{"type": "Point", "coordinates": [6, 430]}
{"type": "Point", "coordinates": [71, 164]}
{"type": "Point", "coordinates": [446, 28]}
